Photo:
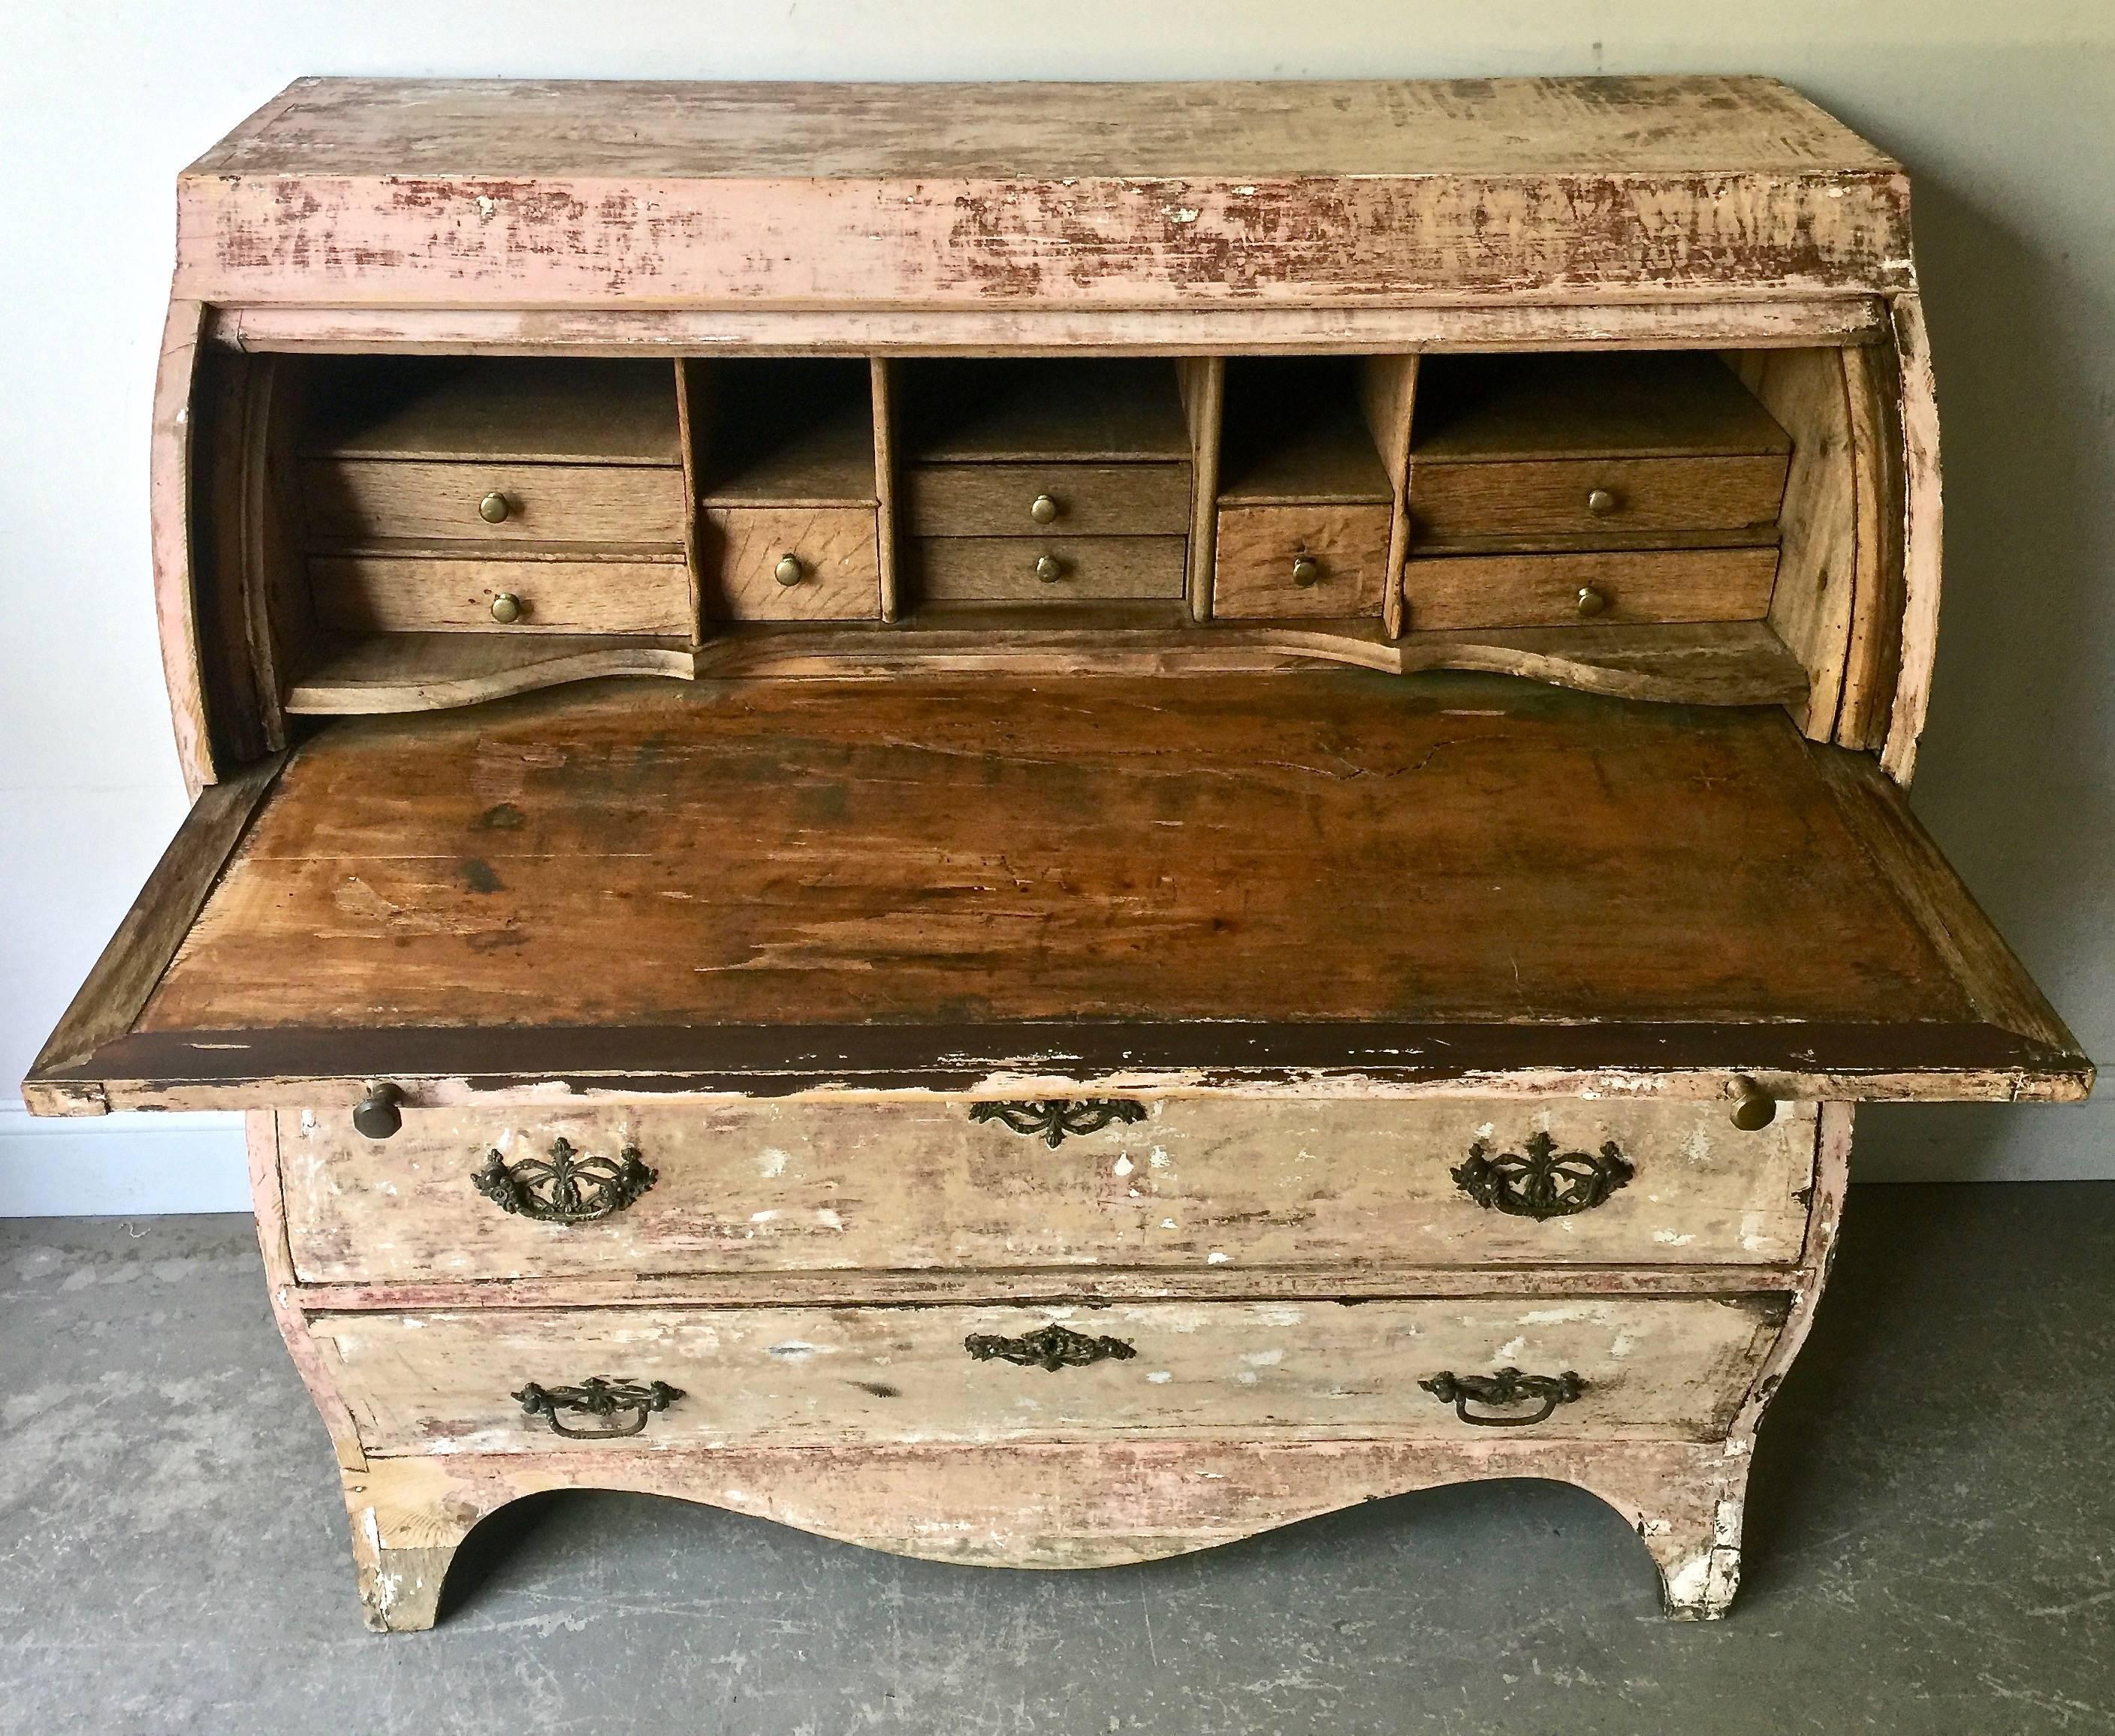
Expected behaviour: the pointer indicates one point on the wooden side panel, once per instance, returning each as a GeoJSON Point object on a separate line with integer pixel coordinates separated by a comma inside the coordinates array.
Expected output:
{"type": "Point", "coordinates": [1872, 663]}
{"type": "Point", "coordinates": [1388, 394]}
{"type": "Point", "coordinates": [1921, 513]}
{"type": "Point", "coordinates": [888, 528]}
{"type": "Point", "coordinates": [768, 1188]}
{"type": "Point", "coordinates": [1204, 384]}
{"type": "Point", "coordinates": [1665, 1369]}
{"type": "Point", "coordinates": [176, 598]}
{"type": "Point", "coordinates": [1811, 605]}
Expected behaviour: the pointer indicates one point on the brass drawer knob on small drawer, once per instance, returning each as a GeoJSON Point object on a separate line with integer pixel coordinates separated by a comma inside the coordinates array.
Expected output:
{"type": "Point", "coordinates": [1049, 569]}
{"type": "Point", "coordinates": [1591, 601]}
{"type": "Point", "coordinates": [495, 508]}
{"type": "Point", "coordinates": [620, 1408]}
{"type": "Point", "coordinates": [1507, 1386]}
{"type": "Point", "coordinates": [1306, 571]}
{"type": "Point", "coordinates": [1602, 502]}
{"type": "Point", "coordinates": [570, 1187]}
{"type": "Point", "coordinates": [789, 571]}
{"type": "Point", "coordinates": [1051, 1347]}
{"type": "Point", "coordinates": [1043, 509]}
{"type": "Point", "coordinates": [377, 1115]}
{"type": "Point", "coordinates": [1053, 1119]}
{"type": "Point", "coordinates": [506, 608]}
{"type": "Point", "coordinates": [1541, 1182]}
{"type": "Point", "coordinates": [1754, 1108]}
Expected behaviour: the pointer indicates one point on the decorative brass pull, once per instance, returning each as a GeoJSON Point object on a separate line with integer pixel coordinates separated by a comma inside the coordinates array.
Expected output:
{"type": "Point", "coordinates": [495, 508]}
{"type": "Point", "coordinates": [1052, 1119]}
{"type": "Point", "coordinates": [624, 1404]}
{"type": "Point", "coordinates": [376, 1115]}
{"type": "Point", "coordinates": [1507, 1386]}
{"type": "Point", "coordinates": [1592, 601]}
{"type": "Point", "coordinates": [1048, 569]}
{"type": "Point", "coordinates": [567, 1188]}
{"type": "Point", "coordinates": [1601, 503]}
{"type": "Point", "coordinates": [1754, 1108]}
{"type": "Point", "coordinates": [1043, 509]}
{"type": "Point", "coordinates": [1545, 1182]}
{"type": "Point", "coordinates": [789, 571]}
{"type": "Point", "coordinates": [506, 608]}
{"type": "Point", "coordinates": [1306, 571]}
{"type": "Point", "coordinates": [1051, 1347]}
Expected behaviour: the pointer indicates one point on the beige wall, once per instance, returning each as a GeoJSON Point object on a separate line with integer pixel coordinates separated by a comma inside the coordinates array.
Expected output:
{"type": "Point", "coordinates": [2005, 114]}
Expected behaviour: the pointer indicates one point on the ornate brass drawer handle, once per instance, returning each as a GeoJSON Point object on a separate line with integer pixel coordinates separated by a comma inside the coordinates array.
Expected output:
{"type": "Point", "coordinates": [567, 1188]}
{"type": "Point", "coordinates": [1546, 1182]}
{"type": "Point", "coordinates": [1052, 1119]}
{"type": "Point", "coordinates": [625, 1405]}
{"type": "Point", "coordinates": [1051, 1347]}
{"type": "Point", "coordinates": [1507, 1386]}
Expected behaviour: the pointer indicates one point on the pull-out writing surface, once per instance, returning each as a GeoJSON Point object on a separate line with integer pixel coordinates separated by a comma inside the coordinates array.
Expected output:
{"type": "Point", "coordinates": [786, 887]}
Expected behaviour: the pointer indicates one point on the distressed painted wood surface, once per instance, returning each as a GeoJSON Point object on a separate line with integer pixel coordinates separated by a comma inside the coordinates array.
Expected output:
{"type": "Point", "coordinates": [1665, 1369]}
{"type": "Point", "coordinates": [768, 1187]}
{"type": "Point", "coordinates": [344, 191]}
{"type": "Point", "coordinates": [1921, 519]}
{"type": "Point", "coordinates": [559, 592]}
{"type": "Point", "coordinates": [1256, 546]}
{"type": "Point", "coordinates": [1444, 592]}
{"type": "Point", "coordinates": [360, 500]}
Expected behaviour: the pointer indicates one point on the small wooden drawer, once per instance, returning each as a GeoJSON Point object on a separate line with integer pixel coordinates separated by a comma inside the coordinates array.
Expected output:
{"type": "Point", "coordinates": [408, 593]}
{"type": "Point", "coordinates": [791, 563]}
{"type": "Point", "coordinates": [1598, 1368]}
{"type": "Point", "coordinates": [1202, 1185]}
{"type": "Point", "coordinates": [1014, 569]}
{"type": "Point", "coordinates": [1689, 584]}
{"type": "Point", "coordinates": [1580, 502]}
{"type": "Point", "coordinates": [364, 500]}
{"type": "Point", "coordinates": [1256, 572]}
{"type": "Point", "coordinates": [1024, 500]}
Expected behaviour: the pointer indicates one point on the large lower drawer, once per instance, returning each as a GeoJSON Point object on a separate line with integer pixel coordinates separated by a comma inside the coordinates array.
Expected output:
{"type": "Point", "coordinates": [762, 1187]}
{"type": "Point", "coordinates": [1601, 1368]}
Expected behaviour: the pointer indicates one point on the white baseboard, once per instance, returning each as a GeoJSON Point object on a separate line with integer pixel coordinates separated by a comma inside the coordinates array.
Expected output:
{"type": "Point", "coordinates": [129, 1166]}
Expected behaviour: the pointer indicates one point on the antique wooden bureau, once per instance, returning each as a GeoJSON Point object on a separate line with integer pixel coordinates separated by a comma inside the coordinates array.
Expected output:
{"type": "Point", "coordinates": [1039, 824]}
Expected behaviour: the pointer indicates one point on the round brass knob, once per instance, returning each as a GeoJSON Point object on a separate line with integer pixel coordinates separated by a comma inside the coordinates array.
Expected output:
{"type": "Point", "coordinates": [789, 570]}
{"type": "Point", "coordinates": [1306, 571]}
{"type": "Point", "coordinates": [1043, 509]}
{"type": "Point", "coordinates": [1601, 503]}
{"type": "Point", "coordinates": [376, 1115]}
{"type": "Point", "coordinates": [494, 508]}
{"type": "Point", "coordinates": [506, 608]}
{"type": "Point", "coordinates": [1591, 601]}
{"type": "Point", "coordinates": [1754, 1108]}
{"type": "Point", "coordinates": [1048, 570]}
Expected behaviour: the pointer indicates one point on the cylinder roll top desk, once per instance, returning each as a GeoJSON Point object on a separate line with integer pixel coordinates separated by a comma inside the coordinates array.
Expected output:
{"type": "Point", "coordinates": [1039, 824]}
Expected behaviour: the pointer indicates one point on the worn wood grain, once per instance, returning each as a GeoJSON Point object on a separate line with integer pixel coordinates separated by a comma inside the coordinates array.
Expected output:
{"type": "Point", "coordinates": [1872, 661]}
{"type": "Point", "coordinates": [169, 501]}
{"type": "Point", "coordinates": [992, 499]}
{"type": "Point", "coordinates": [1444, 592]}
{"type": "Point", "coordinates": [121, 979]}
{"type": "Point", "coordinates": [558, 591]}
{"type": "Point", "coordinates": [1256, 546]}
{"type": "Point", "coordinates": [1388, 394]}
{"type": "Point", "coordinates": [1543, 502]}
{"type": "Point", "coordinates": [358, 500]}
{"type": "Point", "coordinates": [1921, 518]}
{"type": "Point", "coordinates": [887, 486]}
{"type": "Point", "coordinates": [1003, 569]}
{"type": "Point", "coordinates": [1810, 604]}
{"type": "Point", "coordinates": [837, 548]}
{"type": "Point", "coordinates": [1663, 1368]}
{"type": "Point", "coordinates": [1203, 383]}
{"type": "Point", "coordinates": [1570, 860]}
{"type": "Point", "coordinates": [766, 1189]}
{"type": "Point", "coordinates": [382, 191]}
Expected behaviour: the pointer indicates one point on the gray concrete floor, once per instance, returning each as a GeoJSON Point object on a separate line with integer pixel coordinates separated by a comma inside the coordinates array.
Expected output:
{"type": "Point", "coordinates": [1931, 1548]}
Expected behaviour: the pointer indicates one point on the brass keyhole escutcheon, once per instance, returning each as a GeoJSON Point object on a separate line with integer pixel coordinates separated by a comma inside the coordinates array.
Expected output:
{"type": "Point", "coordinates": [495, 508]}
{"type": "Point", "coordinates": [789, 571]}
{"type": "Point", "coordinates": [506, 608]}
{"type": "Point", "coordinates": [1048, 569]}
{"type": "Point", "coordinates": [1601, 503]}
{"type": "Point", "coordinates": [1306, 571]}
{"type": "Point", "coordinates": [1591, 601]}
{"type": "Point", "coordinates": [1043, 509]}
